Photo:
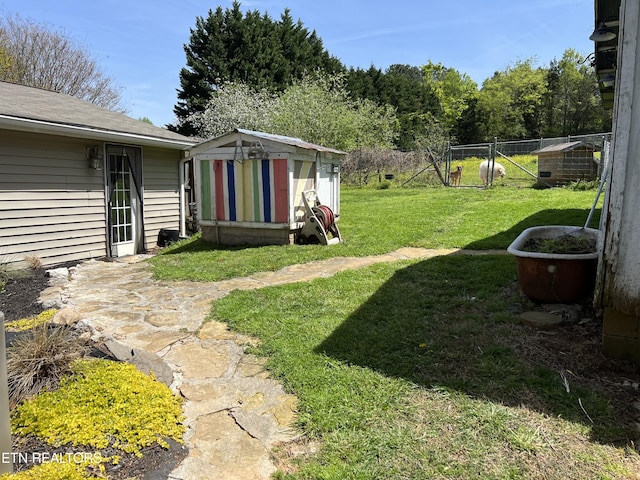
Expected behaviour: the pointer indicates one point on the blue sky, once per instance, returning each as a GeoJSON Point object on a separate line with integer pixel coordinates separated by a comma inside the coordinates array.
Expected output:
{"type": "Point", "coordinates": [139, 43]}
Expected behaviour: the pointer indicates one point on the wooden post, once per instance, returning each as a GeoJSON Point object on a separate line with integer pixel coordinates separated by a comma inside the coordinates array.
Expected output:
{"type": "Point", "coordinates": [618, 282]}
{"type": "Point", "coordinates": [6, 463]}
{"type": "Point", "coordinates": [492, 163]}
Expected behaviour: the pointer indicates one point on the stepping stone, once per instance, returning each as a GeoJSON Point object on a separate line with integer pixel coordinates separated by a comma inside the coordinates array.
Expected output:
{"type": "Point", "coordinates": [541, 320]}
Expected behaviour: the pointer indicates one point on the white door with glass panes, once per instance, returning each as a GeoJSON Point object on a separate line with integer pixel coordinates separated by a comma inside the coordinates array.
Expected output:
{"type": "Point", "coordinates": [125, 200]}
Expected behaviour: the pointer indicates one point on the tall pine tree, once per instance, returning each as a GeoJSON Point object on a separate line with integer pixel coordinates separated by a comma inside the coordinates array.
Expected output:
{"type": "Point", "coordinates": [252, 48]}
{"type": "Point", "coordinates": [402, 87]}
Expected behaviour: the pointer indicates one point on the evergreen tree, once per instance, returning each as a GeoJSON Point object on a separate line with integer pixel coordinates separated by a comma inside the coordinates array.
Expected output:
{"type": "Point", "coordinates": [402, 87]}
{"type": "Point", "coordinates": [229, 46]}
{"type": "Point", "coordinates": [467, 128]}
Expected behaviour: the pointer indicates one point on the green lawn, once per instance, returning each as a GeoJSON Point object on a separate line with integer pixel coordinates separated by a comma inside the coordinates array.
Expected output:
{"type": "Point", "coordinates": [379, 221]}
{"type": "Point", "coordinates": [417, 369]}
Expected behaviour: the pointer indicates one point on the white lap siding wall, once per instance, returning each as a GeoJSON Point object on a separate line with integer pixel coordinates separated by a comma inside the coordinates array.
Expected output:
{"type": "Point", "coordinates": [53, 207]}
{"type": "Point", "coordinates": [51, 203]}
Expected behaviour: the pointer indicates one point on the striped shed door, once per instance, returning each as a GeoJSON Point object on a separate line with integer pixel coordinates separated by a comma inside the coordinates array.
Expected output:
{"type": "Point", "coordinates": [247, 191]}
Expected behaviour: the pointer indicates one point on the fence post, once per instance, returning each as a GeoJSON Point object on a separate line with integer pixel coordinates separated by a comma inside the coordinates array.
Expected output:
{"type": "Point", "coordinates": [447, 164]}
{"type": "Point", "coordinates": [6, 462]}
{"type": "Point", "coordinates": [492, 163]}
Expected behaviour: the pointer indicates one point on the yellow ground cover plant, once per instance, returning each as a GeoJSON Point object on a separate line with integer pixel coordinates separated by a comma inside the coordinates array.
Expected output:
{"type": "Point", "coordinates": [51, 471]}
{"type": "Point", "coordinates": [103, 403]}
{"type": "Point", "coordinates": [28, 323]}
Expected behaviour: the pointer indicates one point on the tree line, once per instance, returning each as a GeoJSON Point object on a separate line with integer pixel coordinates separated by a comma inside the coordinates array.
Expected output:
{"type": "Point", "coordinates": [249, 70]}
{"type": "Point", "coordinates": [272, 61]}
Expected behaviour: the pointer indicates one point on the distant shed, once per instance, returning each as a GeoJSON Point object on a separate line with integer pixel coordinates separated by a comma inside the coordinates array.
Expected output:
{"type": "Point", "coordinates": [250, 186]}
{"type": "Point", "coordinates": [566, 162]}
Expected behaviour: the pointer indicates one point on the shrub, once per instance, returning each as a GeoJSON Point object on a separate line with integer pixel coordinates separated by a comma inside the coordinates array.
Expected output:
{"type": "Point", "coordinates": [33, 261]}
{"type": "Point", "coordinates": [103, 403]}
{"type": "Point", "coordinates": [583, 185]}
{"type": "Point", "coordinates": [39, 358]}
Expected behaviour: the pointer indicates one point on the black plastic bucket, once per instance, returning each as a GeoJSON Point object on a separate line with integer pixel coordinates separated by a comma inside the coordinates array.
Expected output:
{"type": "Point", "coordinates": [167, 236]}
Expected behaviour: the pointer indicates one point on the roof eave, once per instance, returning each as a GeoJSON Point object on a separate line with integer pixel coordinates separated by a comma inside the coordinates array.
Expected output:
{"type": "Point", "coordinates": [248, 135]}
{"type": "Point", "coordinates": [78, 131]}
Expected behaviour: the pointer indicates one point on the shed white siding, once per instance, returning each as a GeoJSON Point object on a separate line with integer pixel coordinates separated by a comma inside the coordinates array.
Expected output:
{"type": "Point", "coordinates": [51, 204]}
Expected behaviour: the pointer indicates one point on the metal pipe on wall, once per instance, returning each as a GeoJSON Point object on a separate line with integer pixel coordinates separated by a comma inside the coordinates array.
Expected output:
{"type": "Point", "coordinates": [6, 463]}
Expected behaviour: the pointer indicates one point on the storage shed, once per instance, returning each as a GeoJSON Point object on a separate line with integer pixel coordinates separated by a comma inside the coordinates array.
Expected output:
{"type": "Point", "coordinates": [566, 162]}
{"type": "Point", "coordinates": [250, 186]}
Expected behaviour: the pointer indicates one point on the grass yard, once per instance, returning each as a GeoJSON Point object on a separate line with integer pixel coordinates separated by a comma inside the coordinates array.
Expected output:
{"type": "Point", "coordinates": [420, 369]}
{"type": "Point", "coordinates": [379, 221]}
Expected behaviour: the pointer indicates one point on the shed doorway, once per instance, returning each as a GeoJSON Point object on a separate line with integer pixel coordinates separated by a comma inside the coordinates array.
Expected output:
{"type": "Point", "coordinates": [125, 200]}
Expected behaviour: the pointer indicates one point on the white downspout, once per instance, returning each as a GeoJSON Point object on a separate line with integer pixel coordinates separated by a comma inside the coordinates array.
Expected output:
{"type": "Point", "coordinates": [183, 200]}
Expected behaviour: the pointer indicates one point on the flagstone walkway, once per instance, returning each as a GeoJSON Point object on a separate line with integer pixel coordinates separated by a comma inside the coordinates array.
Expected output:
{"type": "Point", "coordinates": [235, 413]}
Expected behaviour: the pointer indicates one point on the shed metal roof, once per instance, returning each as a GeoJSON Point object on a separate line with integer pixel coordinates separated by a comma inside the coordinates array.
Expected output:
{"type": "Point", "coordinates": [563, 147]}
{"type": "Point", "coordinates": [33, 109]}
{"type": "Point", "coordinates": [295, 142]}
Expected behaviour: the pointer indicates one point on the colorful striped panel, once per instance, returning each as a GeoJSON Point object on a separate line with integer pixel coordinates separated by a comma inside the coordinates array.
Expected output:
{"type": "Point", "coordinates": [304, 178]}
{"type": "Point", "coordinates": [228, 190]}
{"type": "Point", "coordinates": [251, 191]}
{"type": "Point", "coordinates": [205, 209]}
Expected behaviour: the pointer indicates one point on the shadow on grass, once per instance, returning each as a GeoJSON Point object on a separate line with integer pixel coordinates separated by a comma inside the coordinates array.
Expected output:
{"type": "Point", "coordinates": [447, 322]}
{"type": "Point", "coordinates": [193, 245]}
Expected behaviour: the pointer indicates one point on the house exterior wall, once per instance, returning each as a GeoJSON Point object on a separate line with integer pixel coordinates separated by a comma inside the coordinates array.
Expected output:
{"type": "Point", "coordinates": [51, 203]}
{"type": "Point", "coordinates": [161, 192]}
{"type": "Point", "coordinates": [618, 284]}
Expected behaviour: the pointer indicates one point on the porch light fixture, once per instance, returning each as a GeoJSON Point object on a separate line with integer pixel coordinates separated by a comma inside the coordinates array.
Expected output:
{"type": "Point", "coordinates": [603, 33]}
{"type": "Point", "coordinates": [608, 81]}
{"type": "Point", "coordinates": [94, 156]}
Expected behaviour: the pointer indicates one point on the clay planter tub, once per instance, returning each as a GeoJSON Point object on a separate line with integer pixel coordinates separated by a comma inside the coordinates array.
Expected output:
{"type": "Point", "coordinates": [555, 277]}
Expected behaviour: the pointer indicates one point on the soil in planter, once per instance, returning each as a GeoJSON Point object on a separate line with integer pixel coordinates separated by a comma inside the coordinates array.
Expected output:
{"type": "Point", "coordinates": [565, 244]}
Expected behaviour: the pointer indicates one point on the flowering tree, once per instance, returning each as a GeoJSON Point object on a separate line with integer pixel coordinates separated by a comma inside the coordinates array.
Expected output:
{"type": "Point", "coordinates": [317, 109]}
{"type": "Point", "coordinates": [234, 105]}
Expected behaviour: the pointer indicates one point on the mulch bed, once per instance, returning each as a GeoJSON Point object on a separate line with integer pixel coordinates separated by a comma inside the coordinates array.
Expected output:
{"type": "Point", "coordinates": [156, 462]}
{"type": "Point", "coordinates": [19, 299]}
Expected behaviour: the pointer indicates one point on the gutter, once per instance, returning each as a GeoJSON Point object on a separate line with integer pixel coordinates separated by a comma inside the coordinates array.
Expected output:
{"type": "Point", "coordinates": [40, 126]}
{"type": "Point", "coordinates": [183, 200]}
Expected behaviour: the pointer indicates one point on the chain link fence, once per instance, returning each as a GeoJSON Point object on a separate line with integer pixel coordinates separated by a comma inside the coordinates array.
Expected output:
{"type": "Point", "coordinates": [520, 161]}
